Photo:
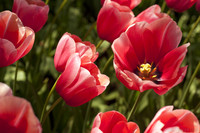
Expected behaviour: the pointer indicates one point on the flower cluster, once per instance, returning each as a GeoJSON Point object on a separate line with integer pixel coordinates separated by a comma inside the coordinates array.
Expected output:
{"type": "Point", "coordinates": [146, 56]}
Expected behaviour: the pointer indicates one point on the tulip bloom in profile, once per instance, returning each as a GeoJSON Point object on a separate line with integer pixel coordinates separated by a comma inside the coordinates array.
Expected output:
{"type": "Point", "coordinates": [180, 5]}
{"type": "Point", "coordinates": [168, 120]}
{"type": "Point", "coordinates": [112, 20]}
{"type": "Point", "coordinates": [15, 39]}
{"type": "Point", "coordinates": [33, 13]}
{"type": "Point", "coordinates": [70, 44]}
{"type": "Point", "coordinates": [130, 3]}
{"type": "Point", "coordinates": [79, 84]}
{"type": "Point", "coordinates": [150, 58]}
{"type": "Point", "coordinates": [113, 122]}
{"type": "Point", "coordinates": [16, 114]}
{"type": "Point", "coordinates": [81, 79]}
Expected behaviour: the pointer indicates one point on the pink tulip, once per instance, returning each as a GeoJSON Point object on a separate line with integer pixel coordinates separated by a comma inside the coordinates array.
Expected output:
{"type": "Point", "coordinates": [113, 122]}
{"type": "Point", "coordinates": [150, 58]}
{"type": "Point", "coordinates": [78, 83]}
{"type": "Point", "coordinates": [15, 39]}
{"type": "Point", "coordinates": [70, 44]}
{"type": "Point", "coordinates": [180, 5]}
{"type": "Point", "coordinates": [5, 90]}
{"type": "Point", "coordinates": [168, 120]}
{"type": "Point", "coordinates": [130, 3]}
{"type": "Point", "coordinates": [112, 20]}
{"type": "Point", "coordinates": [33, 13]}
{"type": "Point", "coordinates": [150, 14]}
{"type": "Point", "coordinates": [17, 116]}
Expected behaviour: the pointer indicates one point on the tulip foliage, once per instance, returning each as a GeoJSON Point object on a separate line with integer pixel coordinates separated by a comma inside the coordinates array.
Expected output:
{"type": "Point", "coordinates": [99, 66]}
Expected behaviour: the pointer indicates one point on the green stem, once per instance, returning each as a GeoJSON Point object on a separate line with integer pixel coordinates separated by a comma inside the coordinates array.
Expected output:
{"type": "Point", "coordinates": [90, 29]}
{"type": "Point", "coordinates": [107, 63]}
{"type": "Point", "coordinates": [59, 10]}
{"type": "Point", "coordinates": [46, 2]}
{"type": "Point", "coordinates": [15, 81]}
{"type": "Point", "coordinates": [163, 6]}
{"type": "Point", "coordinates": [99, 44]}
{"type": "Point", "coordinates": [54, 19]}
{"type": "Point", "coordinates": [86, 116]}
{"type": "Point", "coordinates": [196, 108]}
{"type": "Point", "coordinates": [132, 112]}
{"type": "Point", "coordinates": [47, 100]}
{"type": "Point", "coordinates": [191, 30]}
{"type": "Point", "coordinates": [185, 90]}
{"type": "Point", "coordinates": [169, 11]}
{"type": "Point", "coordinates": [51, 108]}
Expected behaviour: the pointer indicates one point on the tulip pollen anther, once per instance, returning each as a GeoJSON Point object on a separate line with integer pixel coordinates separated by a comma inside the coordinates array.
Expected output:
{"type": "Point", "coordinates": [146, 72]}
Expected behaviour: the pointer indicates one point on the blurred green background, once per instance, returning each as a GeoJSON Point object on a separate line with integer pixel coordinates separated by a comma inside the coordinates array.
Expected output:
{"type": "Point", "coordinates": [37, 74]}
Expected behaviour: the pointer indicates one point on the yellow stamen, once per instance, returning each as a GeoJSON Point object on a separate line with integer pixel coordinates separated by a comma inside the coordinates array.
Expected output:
{"type": "Point", "coordinates": [146, 72]}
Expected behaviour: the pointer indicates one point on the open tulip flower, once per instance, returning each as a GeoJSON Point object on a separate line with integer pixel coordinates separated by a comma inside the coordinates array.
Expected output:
{"type": "Point", "coordinates": [150, 58]}
{"type": "Point", "coordinates": [15, 39]}
{"type": "Point", "coordinates": [70, 44]}
{"type": "Point", "coordinates": [168, 120]}
{"type": "Point", "coordinates": [16, 114]}
{"type": "Point", "coordinates": [113, 122]}
{"type": "Point", "coordinates": [112, 20]}
{"type": "Point", "coordinates": [33, 13]}
{"type": "Point", "coordinates": [180, 5]}
{"type": "Point", "coordinates": [130, 3]}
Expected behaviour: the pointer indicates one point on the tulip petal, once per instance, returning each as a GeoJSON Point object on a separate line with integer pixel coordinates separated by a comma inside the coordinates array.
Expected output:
{"type": "Point", "coordinates": [170, 64]}
{"type": "Point", "coordinates": [27, 43]}
{"type": "Point", "coordinates": [109, 119]}
{"type": "Point", "coordinates": [150, 14]}
{"type": "Point", "coordinates": [124, 127]}
{"type": "Point", "coordinates": [66, 47]}
{"type": "Point", "coordinates": [72, 69]}
{"type": "Point", "coordinates": [169, 120]}
{"type": "Point", "coordinates": [16, 116]}
{"type": "Point", "coordinates": [5, 90]}
{"type": "Point", "coordinates": [81, 91]}
{"type": "Point", "coordinates": [33, 14]}
{"type": "Point", "coordinates": [126, 57]}
{"type": "Point", "coordinates": [12, 27]}
{"type": "Point", "coordinates": [8, 53]}
{"type": "Point", "coordinates": [112, 20]}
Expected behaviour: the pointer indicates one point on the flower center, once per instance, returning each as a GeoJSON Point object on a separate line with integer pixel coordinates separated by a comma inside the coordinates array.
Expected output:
{"type": "Point", "coordinates": [146, 72]}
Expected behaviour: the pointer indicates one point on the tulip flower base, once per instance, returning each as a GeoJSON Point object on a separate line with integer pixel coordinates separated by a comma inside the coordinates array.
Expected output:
{"type": "Point", "coordinates": [99, 66]}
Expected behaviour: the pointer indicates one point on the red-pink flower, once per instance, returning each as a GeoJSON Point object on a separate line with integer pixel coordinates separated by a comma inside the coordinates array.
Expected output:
{"type": "Point", "coordinates": [130, 3]}
{"type": "Point", "coordinates": [168, 120]}
{"type": "Point", "coordinates": [150, 58]}
{"type": "Point", "coordinates": [16, 114]}
{"type": "Point", "coordinates": [112, 20]}
{"type": "Point", "coordinates": [78, 83]}
{"type": "Point", "coordinates": [70, 44]}
{"type": "Point", "coordinates": [180, 5]}
{"type": "Point", "coordinates": [81, 79]}
{"type": "Point", "coordinates": [33, 13]}
{"type": "Point", "coordinates": [113, 122]}
{"type": "Point", "coordinates": [15, 39]}
{"type": "Point", "coordinates": [150, 14]}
